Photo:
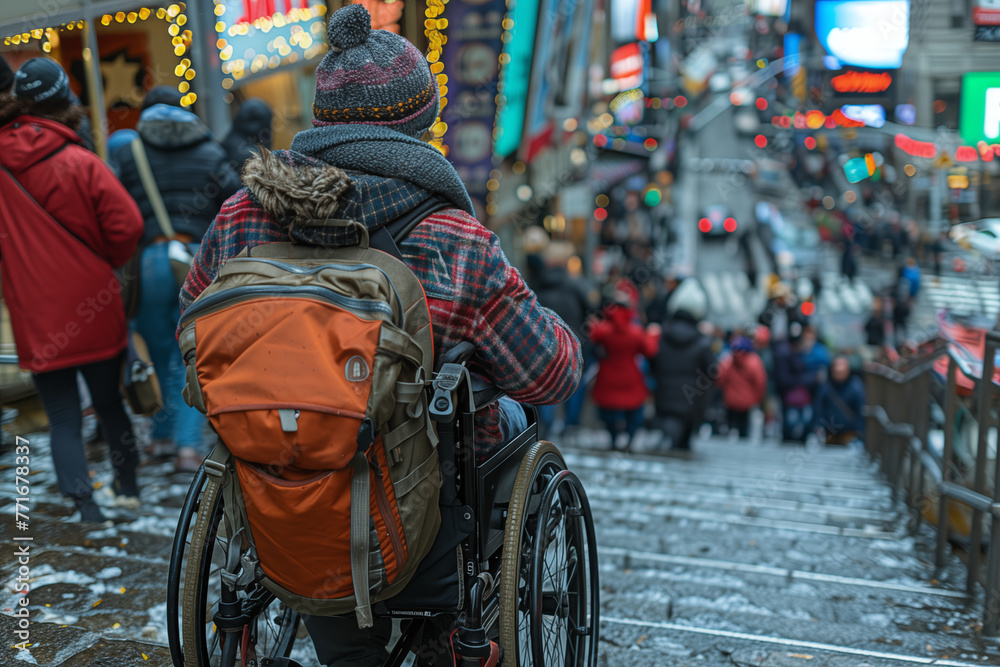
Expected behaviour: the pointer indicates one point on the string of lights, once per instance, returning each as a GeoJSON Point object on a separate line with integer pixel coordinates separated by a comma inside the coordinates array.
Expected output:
{"type": "Point", "coordinates": [434, 26]}
{"type": "Point", "coordinates": [175, 17]}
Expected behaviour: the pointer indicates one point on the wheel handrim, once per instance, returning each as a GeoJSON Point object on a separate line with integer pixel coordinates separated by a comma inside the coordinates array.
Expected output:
{"type": "Point", "coordinates": [564, 605]}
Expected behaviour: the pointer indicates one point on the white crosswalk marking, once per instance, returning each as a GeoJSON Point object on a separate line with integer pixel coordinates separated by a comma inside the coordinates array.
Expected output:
{"type": "Point", "coordinates": [732, 301]}
{"type": "Point", "coordinates": [839, 295]}
{"type": "Point", "coordinates": [964, 296]}
{"type": "Point", "coordinates": [734, 291]}
{"type": "Point", "coordinates": [716, 302]}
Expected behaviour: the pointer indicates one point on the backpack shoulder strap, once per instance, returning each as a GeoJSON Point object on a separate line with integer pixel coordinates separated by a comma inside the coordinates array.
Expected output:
{"type": "Point", "coordinates": [150, 187]}
{"type": "Point", "coordinates": [387, 237]}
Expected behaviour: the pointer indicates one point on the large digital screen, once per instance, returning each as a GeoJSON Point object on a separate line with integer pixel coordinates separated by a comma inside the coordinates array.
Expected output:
{"type": "Point", "coordinates": [864, 33]}
{"type": "Point", "coordinates": [979, 111]}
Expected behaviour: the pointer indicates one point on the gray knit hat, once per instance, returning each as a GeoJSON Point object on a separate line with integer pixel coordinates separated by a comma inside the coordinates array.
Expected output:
{"type": "Point", "coordinates": [373, 77]}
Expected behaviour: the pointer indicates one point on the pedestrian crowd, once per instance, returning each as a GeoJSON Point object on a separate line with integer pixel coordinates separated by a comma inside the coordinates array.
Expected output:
{"type": "Point", "coordinates": [653, 362]}
{"type": "Point", "coordinates": [650, 358]}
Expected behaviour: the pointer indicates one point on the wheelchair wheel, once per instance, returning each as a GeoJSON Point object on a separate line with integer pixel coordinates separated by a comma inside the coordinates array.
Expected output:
{"type": "Point", "coordinates": [200, 552]}
{"type": "Point", "coordinates": [549, 581]}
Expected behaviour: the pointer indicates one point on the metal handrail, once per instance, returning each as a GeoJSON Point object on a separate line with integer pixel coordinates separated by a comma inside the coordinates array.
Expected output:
{"type": "Point", "coordinates": [897, 413]}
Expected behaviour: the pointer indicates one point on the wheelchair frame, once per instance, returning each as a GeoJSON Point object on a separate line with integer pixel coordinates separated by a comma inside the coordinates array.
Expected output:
{"type": "Point", "coordinates": [517, 498]}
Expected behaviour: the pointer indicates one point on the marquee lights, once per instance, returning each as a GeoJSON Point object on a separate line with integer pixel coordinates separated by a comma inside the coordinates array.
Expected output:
{"type": "Point", "coordinates": [173, 15]}
{"type": "Point", "coordinates": [434, 27]}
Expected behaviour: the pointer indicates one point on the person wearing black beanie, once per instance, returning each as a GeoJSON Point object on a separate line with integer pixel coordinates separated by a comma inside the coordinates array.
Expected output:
{"type": "Point", "coordinates": [162, 95]}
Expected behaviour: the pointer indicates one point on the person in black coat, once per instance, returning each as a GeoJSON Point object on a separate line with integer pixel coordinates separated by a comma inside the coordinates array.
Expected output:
{"type": "Point", "coordinates": [251, 128]}
{"type": "Point", "coordinates": [875, 327]}
{"type": "Point", "coordinates": [191, 170]}
{"type": "Point", "coordinates": [683, 367]}
{"type": "Point", "coordinates": [840, 404]}
{"type": "Point", "coordinates": [568, 297]}
{"type": "Point", "coordinates": [656, 311]}
{"type": "Point", "coordinates": [193, 176]}
{"type": "Point", "coordinates": [795, 384]}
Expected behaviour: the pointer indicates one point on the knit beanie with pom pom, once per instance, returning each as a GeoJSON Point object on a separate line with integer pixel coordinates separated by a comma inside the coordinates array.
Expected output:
{"type": "Point", "coordinates": [373, 77]}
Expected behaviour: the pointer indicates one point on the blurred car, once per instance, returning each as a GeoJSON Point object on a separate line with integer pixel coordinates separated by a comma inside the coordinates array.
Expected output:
{"type": "Point", "coordinates": [720, 82]}
{"type": "Point", "coordinates": [794, 248]}
{"type": "Point", "coordinates": [742, 97]}
{"type": "Point", "coordinates": [981, 236]}
{"type": "Point", "coordinates": [716, 220]}
{"type": "Point", "coordinates": [772, 178]}
{"type": "Point", "coordinates": [738, 71]}
{"type": "Point", "coordinates": [746, 121]}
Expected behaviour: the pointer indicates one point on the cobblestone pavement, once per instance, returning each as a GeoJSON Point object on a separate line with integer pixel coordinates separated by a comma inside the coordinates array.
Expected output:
{"type": "Point", "coordinates": [747, 554]}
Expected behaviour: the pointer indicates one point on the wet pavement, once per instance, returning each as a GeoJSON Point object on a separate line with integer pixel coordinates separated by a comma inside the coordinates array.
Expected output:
{"type": "Point", "coordinates": [749, 553]}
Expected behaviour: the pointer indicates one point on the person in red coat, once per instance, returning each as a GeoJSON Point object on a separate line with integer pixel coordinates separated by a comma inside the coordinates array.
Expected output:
{"type": "Point", "coordinates": [620, 388]}
{"type": "Point", "coordinates": [743, 381]}
{"type": "Point", "coordinates": [66, 224]}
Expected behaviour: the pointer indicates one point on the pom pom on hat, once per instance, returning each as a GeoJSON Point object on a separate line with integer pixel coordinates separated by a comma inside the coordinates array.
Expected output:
{"type": "Point", "coordinates": [373, 77]}
{"type": "Point", "coordinates": [349, 27]}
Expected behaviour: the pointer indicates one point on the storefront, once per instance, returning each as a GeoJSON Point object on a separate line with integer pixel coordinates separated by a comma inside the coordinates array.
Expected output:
{"type": "Point", "coordinates": [214, 52]}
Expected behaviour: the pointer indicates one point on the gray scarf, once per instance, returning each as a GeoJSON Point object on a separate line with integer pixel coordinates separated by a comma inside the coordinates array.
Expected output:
{"type": "Point", "coordinates": [381, 151]}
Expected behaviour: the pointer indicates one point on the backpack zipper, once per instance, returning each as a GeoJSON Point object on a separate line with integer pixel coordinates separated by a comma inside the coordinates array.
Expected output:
{"type": "Point", "coordinates": [382, 499]}
{"type": "Point", "coordinates": [305, 271]}
{"type": "Point", "coordinates": [309, 291]}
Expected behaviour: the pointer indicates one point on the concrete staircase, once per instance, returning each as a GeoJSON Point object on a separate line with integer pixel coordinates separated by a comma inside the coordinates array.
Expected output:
{"type": "Point", "coordinates": [764, 554]}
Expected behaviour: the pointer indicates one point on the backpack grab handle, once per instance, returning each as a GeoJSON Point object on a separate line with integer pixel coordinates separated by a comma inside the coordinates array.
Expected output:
{"type": "Point", "coordinates": [325, 232]}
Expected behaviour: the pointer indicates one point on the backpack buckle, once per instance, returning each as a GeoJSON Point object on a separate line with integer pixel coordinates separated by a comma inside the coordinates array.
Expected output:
{"type": "Point", "coordinates": [366, 434]}
{"type": "Point", "coordinates": [446, 381]}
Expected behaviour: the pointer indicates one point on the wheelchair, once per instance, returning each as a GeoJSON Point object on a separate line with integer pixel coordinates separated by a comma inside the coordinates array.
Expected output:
{"type": "Point", "coordinates": [526, 575]}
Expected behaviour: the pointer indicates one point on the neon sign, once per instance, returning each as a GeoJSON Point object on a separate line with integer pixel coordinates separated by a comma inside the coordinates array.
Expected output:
{"type": "Point", "coordinates": [861, 82]}
{"type": "Point", "coordinates": [915, 148]}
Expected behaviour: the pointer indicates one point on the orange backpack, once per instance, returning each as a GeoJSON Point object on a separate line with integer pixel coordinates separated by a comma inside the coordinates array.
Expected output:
{"type": "Point", "coordinates": [311, 364]}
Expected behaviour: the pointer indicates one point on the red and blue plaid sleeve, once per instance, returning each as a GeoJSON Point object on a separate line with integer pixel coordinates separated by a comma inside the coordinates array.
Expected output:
{"type": "Point", "coordinates": [532, 354]}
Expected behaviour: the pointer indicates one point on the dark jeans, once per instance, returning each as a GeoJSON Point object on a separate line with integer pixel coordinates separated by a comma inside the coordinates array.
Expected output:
{"type": "Point", "coordinates": [677, 428]}
{"type": "Point", "coordinates": [796, 422]}
{"type": "Point", "coordinates": [340, 643]}
{"type": "Point", "coordinates": [739, 420]}
{"type": "Point", "coordinates": [61, 398]}
{"type": "Point", "coordinates": [615, 419]}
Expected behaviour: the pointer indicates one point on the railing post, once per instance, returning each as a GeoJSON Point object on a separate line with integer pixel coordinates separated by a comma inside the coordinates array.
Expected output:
{"type": "Point", "coordinates": [875, 398]}
{"type": "Point", "coordinates": [895, 455]}
{"type": "Point", "coordinates": [921, 410]}
{"type": "Point", "coordinates": [991, 616]}
{"type": "Point", "coordinates": [983, 420]}
{"type": "Point", "coordinates": [950, 407]}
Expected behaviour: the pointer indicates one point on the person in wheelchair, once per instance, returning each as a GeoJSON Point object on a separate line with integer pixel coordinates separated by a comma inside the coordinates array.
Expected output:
{"type": "Point", "coordinates": [375, 97]}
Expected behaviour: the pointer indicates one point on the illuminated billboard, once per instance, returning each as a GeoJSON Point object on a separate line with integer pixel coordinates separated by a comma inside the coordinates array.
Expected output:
{"type": "Point", "coordinates": [979, 118]}
{"type": "Point", "coordinates": [864, 33]}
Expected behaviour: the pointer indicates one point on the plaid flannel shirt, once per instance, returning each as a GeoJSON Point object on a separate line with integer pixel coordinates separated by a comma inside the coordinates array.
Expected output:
{"type": "Point", "coordinates": [474, 295]}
